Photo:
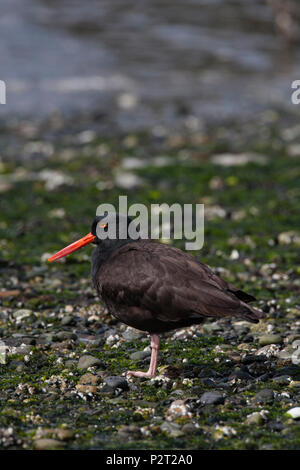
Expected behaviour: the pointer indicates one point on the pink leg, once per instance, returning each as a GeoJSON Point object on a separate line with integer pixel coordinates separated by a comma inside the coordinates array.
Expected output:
{"type": "Point", "coordinates": [155, 343]}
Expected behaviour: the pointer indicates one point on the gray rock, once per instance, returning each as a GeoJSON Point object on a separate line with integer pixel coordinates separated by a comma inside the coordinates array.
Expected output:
{"type": "Point", "coordinates": [88, 361]}
{"type": "Point", "coordinates": [110, 332]}
{"type": "Point", "coordinates": [212, 398]}
{"type": "Point", "coordinates": [208, 382]}
{"type": "Point", "coordinates": [64, 335]}
{"type": "Point", "coordinates": [240, 375]}
{"type": "Point", "coordinates": [45, 338]}
{"type": "Point", "coordinates": [139, 355]}
{"type": "Point", "coordinates": [264, 396]}
{"type": "Point", "coordinates": [131, 334]}
{"type": "Point", "coordinates": [106, 391]}
{"type": "Point", "coordinates": [115, 381]}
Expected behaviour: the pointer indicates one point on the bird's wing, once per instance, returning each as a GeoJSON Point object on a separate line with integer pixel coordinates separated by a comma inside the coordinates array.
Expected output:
{"type": "Point", "coordinates": [166, 282]}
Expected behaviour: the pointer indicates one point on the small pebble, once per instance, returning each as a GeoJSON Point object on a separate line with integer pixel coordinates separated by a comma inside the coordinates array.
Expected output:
{"type": "Point", "coordinates": [212, 398]}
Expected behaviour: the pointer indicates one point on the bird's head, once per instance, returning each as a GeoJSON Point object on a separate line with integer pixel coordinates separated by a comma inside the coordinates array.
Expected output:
{"type": "Point", "coordinates": [106, 231]}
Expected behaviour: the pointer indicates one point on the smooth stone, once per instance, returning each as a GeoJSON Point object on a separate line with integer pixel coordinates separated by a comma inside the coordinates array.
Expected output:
{"type": "Point", "coordinates": [296, 344]}
{"type": "Point", "coordinates": [139, 355]}
{"type": "Point", "coordinates": [131, 334]}
{"type": "Point", "coordinates": [286, 353]}
{"type": "Point", "coordinates": [269, 339]}
{"type": "Point", "coordinates": [208, 382]}
{"type": "Point", "coordinates": [64, 335]}
{"type": "Point", "coordinates": [294, 412]}
{"type": "Point", "coordinates": [106, 390]}
{"type": "Point", "coordinates": [264, 396]}
{"type": "Point", "coordinates": [212, 398]}
{"type": "Point", "coordinates": [115, 381]}
{"type": "Point", "coordinates": [45, 338]}
{"type": "Point", "coordinates": [87, 361]}
{"type": "Point", "coordinates": [240, 375]}
{"type": "Point", "coordinates": [67, 320]}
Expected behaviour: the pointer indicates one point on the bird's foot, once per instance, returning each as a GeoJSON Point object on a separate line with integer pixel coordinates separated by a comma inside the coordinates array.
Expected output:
{"type": "Point", "coordinates": [148, 374]}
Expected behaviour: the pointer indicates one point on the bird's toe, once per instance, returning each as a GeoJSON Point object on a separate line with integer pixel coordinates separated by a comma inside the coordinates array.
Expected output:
{"type": "Point", "coordinates": [141, 374]}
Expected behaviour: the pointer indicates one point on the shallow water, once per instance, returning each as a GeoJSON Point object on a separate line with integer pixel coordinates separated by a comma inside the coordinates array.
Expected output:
{"type": "Point", "coordinates": [144, 63]}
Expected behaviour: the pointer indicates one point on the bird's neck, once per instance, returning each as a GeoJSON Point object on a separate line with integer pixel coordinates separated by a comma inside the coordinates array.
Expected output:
{"type": "Point", "coordinates": [102, 253]}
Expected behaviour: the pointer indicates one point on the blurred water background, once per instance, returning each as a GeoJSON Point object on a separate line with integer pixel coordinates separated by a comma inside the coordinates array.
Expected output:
{"type": "Point", "coordinates": [147, 62]}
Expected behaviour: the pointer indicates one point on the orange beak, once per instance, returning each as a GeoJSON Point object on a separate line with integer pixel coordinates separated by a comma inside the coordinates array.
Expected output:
{"type": "Point", "coordinates": [89, 238]}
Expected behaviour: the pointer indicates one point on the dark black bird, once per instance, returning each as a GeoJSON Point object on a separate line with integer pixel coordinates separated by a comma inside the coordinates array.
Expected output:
{"type": "Point", "coordinates": [155, 287]}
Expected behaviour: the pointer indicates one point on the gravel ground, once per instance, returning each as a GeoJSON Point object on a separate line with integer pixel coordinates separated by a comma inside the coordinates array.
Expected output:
{"type": "Point", "coordinates": [227, 384]}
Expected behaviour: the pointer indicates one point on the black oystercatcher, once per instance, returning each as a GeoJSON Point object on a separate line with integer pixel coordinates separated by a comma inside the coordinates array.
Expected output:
{"type": "Point", "coordinates": [155, 287]}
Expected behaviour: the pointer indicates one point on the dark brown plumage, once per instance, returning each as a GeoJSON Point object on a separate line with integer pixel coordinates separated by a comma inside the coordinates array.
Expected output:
{"type": "Point", "coordinates": [158, 288]}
